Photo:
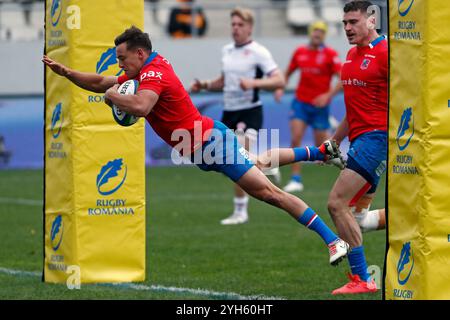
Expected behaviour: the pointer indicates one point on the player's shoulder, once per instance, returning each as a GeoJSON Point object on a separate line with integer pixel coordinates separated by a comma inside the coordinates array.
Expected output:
{"type": "Point", "coordinates": [255, 45]}
{"type": "Point", "coordinates": [258, 48]}
{"type": "Point", "coordinates": [228, 47]}
{"type": "Point", "coordinates": [381, 50]}
{"type": "Point", "coordinates": [159, 62]}
{"type": "Point", "coordinates": [158, 69]}
{"type": "Point", "coordinates": [353, 50]}
{"type": "Point", "coordinates": [330, 51]}
{"type": "Point", "coordinates": [302, 47]}
{"type": "Point", "coordinates": [384, 47]}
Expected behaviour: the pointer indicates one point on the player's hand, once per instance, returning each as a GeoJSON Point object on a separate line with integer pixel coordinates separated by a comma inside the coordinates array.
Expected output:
{"type": "Point", "coordinates": [247, 84]}
{"type": "Point", "coordinates": [56, 67]}
{"type": "Point", "coordinates": [322, 100]}
{"type": "Point", "coordinates": [196, 86]}
{"type": "Point", "coordinates": [110, 91]}
{"type": "Point", "coordinates": [278, 94]}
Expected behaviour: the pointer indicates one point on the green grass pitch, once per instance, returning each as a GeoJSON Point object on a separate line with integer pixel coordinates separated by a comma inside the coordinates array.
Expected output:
{"type": "Point", "coordinates": [272, 255]}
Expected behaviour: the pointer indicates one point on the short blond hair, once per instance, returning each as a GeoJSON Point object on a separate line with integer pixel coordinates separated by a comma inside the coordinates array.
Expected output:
{"type": "Point", "coordinates": [243, 13]}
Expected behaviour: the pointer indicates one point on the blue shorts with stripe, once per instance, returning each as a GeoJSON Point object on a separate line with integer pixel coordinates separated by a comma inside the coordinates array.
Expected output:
{"type": "Point", "coordinates": [223, 153]}
{"type": "Point", "coordinates": [367, 156]}
{"type": "Point", "coordinates": [317, 118]}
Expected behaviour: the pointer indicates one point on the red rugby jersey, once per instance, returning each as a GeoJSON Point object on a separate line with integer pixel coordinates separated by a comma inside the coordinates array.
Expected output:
{"type": "Point", "coordinates": [174, 109]}
{"type": "Point", "coordinates": [317, 68]}
{"type": "Point", "coordinates": [364, 77]}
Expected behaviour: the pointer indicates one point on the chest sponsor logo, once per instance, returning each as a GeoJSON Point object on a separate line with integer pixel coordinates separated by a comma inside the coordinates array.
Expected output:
{"type": "Point", "coordinates": [320, 59]}
{"type": "Point", "coordinates": [151, 74]}
{"type": "Point", "coordinates": [365, 64]}
{"type": "Point", "coordinates": [354, 82]}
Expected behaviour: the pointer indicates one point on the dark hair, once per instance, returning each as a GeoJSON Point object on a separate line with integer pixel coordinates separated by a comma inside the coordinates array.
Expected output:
{"type": "Point", "coordinates": [358, 5]}
{"type": "Point", "coordinates": [134, 38]}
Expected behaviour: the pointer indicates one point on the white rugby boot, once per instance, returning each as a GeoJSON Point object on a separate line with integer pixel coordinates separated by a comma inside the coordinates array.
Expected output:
{"type": "Point", "coordinates": [235, 218]}
{"type": "Point", "coordinates": [339, 249]}
{"type": "Point", "coordinates": [294, 186]}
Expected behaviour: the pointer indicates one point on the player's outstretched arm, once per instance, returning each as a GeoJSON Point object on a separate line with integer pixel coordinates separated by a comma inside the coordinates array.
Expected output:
{"type": "Point", "coordinates": [89, 81]}
{"type": "Point", "coordinates": [210, 85]}
{"type": "Point", "coordinates": [274, 81]}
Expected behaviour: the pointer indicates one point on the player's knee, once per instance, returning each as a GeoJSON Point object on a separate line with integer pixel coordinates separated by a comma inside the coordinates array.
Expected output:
{"type": "Point", "coordinates": [335, 204]}
{"type": "Point", "coordinates": [333, 207]}
{"type": "Point", "coordinates": [264, 160]}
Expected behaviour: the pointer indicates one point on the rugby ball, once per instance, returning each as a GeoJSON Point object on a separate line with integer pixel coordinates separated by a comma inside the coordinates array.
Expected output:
{"type": "Point", "coordinates": [121, 117]}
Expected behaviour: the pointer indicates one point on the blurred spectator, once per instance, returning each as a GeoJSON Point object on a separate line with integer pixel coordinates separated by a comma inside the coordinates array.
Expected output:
{"type": "Point", "coordinates": [4, 154]}
{"type": "Point", "coordinates": [26, 5]}
{"type": "Point", "coordinates": [187, 20]}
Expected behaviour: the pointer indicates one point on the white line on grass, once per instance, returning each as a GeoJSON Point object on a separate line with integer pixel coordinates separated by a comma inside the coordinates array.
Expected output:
{"type": "Point", "coordinates": [158, 288]}
{"type": "Point", "coordinates": [20, 273]}
{"type": "Point", "coordinates": [20, 201]}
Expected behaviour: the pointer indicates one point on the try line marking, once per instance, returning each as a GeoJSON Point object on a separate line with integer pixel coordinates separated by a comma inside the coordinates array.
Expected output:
{"type": "Point", "coordinates": [20, 201]}
{"type": "Point", "coordinates": [134, 286]}
{"type": "Point", "coordinates": [155, 288]}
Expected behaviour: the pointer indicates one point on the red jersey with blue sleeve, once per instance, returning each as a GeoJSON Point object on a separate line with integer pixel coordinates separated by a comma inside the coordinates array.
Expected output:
{"type": "Point", "coordinates": [365, 79]}
{"type": "Point", "coordinates": [317, 68]}
{"type": "Point", "coordinates": [174, 109]}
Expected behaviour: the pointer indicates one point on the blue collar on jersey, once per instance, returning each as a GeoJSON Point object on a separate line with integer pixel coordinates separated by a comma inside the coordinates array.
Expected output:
{"type": "Point", "coordinates": [150, 58]}
{"type": "Point", "coordinates": [376, 41]}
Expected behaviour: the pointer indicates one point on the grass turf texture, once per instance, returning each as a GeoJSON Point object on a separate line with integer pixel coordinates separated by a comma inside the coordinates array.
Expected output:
{"type": "Point", "coordinates": [272, 255]}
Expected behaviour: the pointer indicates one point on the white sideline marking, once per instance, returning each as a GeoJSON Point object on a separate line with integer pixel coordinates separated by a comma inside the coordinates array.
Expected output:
{"type": "Point", "coordinates": [20, 201]}
{"type": "Point", "coordinates": [20, 272]}
{"type": "Point", "coordinates": [158, 288]}
{"type": "Point", "coordinates": [199, 292]}
{"type": "Point", "coordinates": [140, 287]}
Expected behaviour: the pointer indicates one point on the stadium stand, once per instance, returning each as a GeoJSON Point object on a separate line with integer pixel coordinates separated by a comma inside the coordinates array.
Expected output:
{"type": "Point", "coordinates": [332, 13]}
{"type": "Point", "coordinates": [37, 16]}
{"type": "Point", "coordinates": [20, 20]}
{"type": "Point", "coordinates": [154, 24]}
{"type": "Point", "coordinates": [300, 13]}
{"type": "Point", "coordinates": [23, 20]}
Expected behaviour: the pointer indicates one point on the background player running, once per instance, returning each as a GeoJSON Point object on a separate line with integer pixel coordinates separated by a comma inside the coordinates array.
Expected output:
{"type": "Point", "coordinates": [310, 106]}
{"type": "Point", "coordinates": [247, 67]}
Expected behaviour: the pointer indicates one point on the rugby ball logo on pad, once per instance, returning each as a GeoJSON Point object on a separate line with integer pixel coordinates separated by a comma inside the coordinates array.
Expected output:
{"type": "Point", "coordinates": [121, 117]}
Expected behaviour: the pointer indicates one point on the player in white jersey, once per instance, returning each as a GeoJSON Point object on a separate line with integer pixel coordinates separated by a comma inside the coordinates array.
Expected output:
{"type": "Point", "coordinates": [247, 67]}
